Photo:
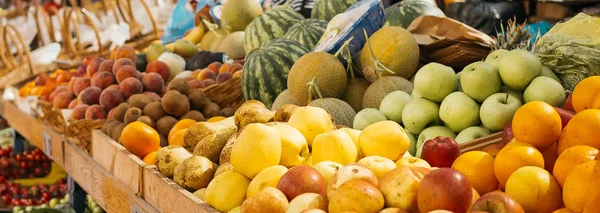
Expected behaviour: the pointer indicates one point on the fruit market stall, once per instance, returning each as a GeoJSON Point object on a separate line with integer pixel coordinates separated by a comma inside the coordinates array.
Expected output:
{"type": "Point", "coordinates": [289, 106]}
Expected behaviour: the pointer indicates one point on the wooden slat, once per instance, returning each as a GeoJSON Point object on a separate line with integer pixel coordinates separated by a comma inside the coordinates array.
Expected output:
{"type": "Point", "coordinates": [168, 197]}
{"type": "Point", "coordinates": [111, 155]}
{"type": "Point", "coordinates": [480, 143]}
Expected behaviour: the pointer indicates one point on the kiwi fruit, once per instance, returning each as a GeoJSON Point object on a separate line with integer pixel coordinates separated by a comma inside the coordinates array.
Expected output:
{"type": "Point", "coordinates": [383, 86]}
{"type": "Point", "coordinates": [146, 120]}
{"type": "Point", "coordinates": [211, 110]}
{"type": "Point", "coordinates": [163, 141]}
{"type": "Point", "coordinates": [119, 113]}
{"type": "Point", "coordinates": [282, 99]}
{"type": "Point", "coordinates": [175, 103]}
{"type": "Point", "coordinates": [227, 112]}
{"type": "Point", "coordinates": [108, 127]}
{"type": "Point", "coordinates": [140, 100]}
{"type": "Point", "coordinates": [194, 115]}
{"type": "Point", "coordinates": [325, 68]}
{"type": "Point", "coordinates": [179, 84]}
{"type": "Point", "coordinates": [355, 92]}
{"type": "Point", "coordinates": [132, 114]}
{"type": "Point", "coordinates": [154, 110]}
{"type": "Point", "coordinates": [116, 132]}
{"type": "Point", "coordinates": [164, 125]}
{"type": "Point", "coordinates": [197, 99]}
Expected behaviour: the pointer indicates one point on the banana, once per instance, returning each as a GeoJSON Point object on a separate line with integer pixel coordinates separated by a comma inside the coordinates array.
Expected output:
{"type": "Point", "coordinates": [195, 35]}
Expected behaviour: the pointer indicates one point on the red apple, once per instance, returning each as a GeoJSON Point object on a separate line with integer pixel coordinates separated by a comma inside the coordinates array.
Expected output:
{"type": "Point", "coordinates": [565, 115]}
{"type": "Point", "coordinates": [497, 202]}
{"type": "Point", "coordinates": [493, 149]}
{"type": "Point", "coordinates": [440, 151]}
{"type": "Point", "coordinates": [446, 189]}
{"type": "Point", "coordinates": [507, 133]}
{"type": "Point", "coordinates": [302, 179]}
{"type": "Point", "coordinates": [568, 104]}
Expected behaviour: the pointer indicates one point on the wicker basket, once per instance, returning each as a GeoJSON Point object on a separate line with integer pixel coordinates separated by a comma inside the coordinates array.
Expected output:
{"type": "Point", "coordinates": [80, 132]}
{"type": "Point", "coordinates": [51, 116]}
{"type": "Point", "coordinates": [227, 94]}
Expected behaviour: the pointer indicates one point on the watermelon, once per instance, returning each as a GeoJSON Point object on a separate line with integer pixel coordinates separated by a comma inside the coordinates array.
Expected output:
{"type": "Point", "coordinates": [271, 24]}
{"type": "Point", "coordinates": [403, 13]}
{"type": "Point", "coordinates": [307, 32]}
{"type": "Point", "coordinates": [266, 69]}
{"type": "Point", "coordinates": [327, 9]}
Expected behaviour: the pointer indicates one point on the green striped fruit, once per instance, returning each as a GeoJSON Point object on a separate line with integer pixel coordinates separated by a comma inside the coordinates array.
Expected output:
{"type": "Point", "coordinates": [266, 69]}
{"type": "Point", "coordinates": [403, 13]}
{"type": "Point", "coordinates": [327, 9]}
{"type": "Point", "coordinates": [271, 24]}
{"type": "Point", "coordinates": [307, 32]}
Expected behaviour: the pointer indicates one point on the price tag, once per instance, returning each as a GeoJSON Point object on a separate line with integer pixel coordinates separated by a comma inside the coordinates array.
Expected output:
{"type": "Point", "coordinates": [48, 145]}
{"type": "Point", "coordinates": [134, 209]}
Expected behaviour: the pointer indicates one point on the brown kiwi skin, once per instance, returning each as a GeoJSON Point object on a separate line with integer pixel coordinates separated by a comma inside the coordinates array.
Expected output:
{"type": "Point", "coordinates": [165, 124]}
{"type": "Point", "coordinates": [140, 100]}
{"type": "Point", "coordinates": [194, 115]}
{"type": "Point", "coordinates": [197, 99]}
{"type": "Point", "coordinates": [155, 111]}
{"type": "Point", "coordinates": [175, 103]}
{"type": "Point", "coordinates": [119, 114]}
{"type": "Point", "coordinates": [211, 110]}
{"type": "Point", "coordinates": [147, 120]}
{"type": "Point", "coordinates": [108, 127]}
{"type": "Point", "coordinates": [179, 84]}
{"type": "Point", "coordinates": [227, 112]}
{"type": "Point", "coordinates": [132, 114]}
{"type": "Point", "coordinates": [116, 132]}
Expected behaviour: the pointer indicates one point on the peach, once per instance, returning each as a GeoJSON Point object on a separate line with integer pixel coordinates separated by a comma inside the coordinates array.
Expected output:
{"type": "Point", "coordinates": [106, 66]}
{"type": "Point", "coordinates": [63, 77]}
{"type": "Point", "coordinates": [79, 111]}
{"type": "Point", "coordinates": [125, 52]}
{"type": "Point", "coordinates": [131, 86]}
{"type": "Point", "coordinates": [153, 95]}
{"type": "Point", "coordinates": [80, 71]}
{"type": "Point", "coordinates": [214, 66]}
{"type": "Point", "coordinates": [223, 77]}
{"type": "Point", "coordinates": [234, 67]}
{"type": "Point", "coordinates": [195, 84]}
{"type": "Point", "coordinates": [89, 96]}
{"type": "Point", "coordinates": [189, 78]}
{"type": "Point", "coordinates": [111, 98]}
{"type": "Point", "coordinates": [41, 79]}
{"type": "Point", "coordinates": [103, 80]}
{"type": "Point", "coordinates": [72, 84]}
{"type": "Point", "coordinates": [153, 82]}
{"type": "Point", "coordinates": [125, 72]}
{"type": "Point", "coordinates": [56, 91]}
{"type": "Point", "coordinates": [114, 86]}
{"type": "Point", "coordinates": [122, 62]}
{"type": "Point", "coordinates": [224, 68]}
{"type": "Point", "coordinates": [159, 67]}
{"type": "Point", "coordinates": [62, 100]}
{"type": "Point", "coordinates": [73, 104]}
{"type": "Point", "coordinates": [208, 82]}
{"type": "Point", "coordinates": [207, 74]}
{"type": "Point", "coordinates": [81, 84]}
{"type": "Point", "coordinates": [95, 112]}
{"type": "Point", "coordinates": [196, 72]}
{"type": "Point", "coordinates": [140, 75]}
{"type": "Point", "coordinates": [93, 66]}
{"type": "Point", "coordinates": [87, 60]}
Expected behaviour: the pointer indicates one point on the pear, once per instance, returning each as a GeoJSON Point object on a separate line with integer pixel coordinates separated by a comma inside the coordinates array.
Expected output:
{"type": "Point", "coordinates": [184, 48]}
{"type": "Point", "coordinates": [154, 51]}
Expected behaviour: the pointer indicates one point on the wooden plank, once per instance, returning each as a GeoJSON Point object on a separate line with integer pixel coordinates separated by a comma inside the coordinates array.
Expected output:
{"type": "Point", "coordinates": [110, 193]}
{"type": "Point", "coordinates": [112, 156]}
{"type": "Point", "coordinates": [168, 197]}
{"type": "Point", "coordinates": [480, 143]}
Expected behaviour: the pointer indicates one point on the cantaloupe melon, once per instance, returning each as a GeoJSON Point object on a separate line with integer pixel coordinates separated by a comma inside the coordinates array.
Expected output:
{"type": "Point", "coordinates": [367, 117]}
{"type": "Point", "coordinates": [383, 86]}
{"type": "Point", "coordinates": [237, 14]}
{"type": "Point", "coordinates": [354, 93]}
{"type": "Point", "coordinates": [233, 45]}
{"type": "Point", "coordinates": [282, 99]}
{"type": "Point", "coordinates": [342, 113]}
{"type": "Point", "coordinates": [325, 68]}
{"type": "Point", "coordinates": [395, 48]}
{"type": "Point", "coordinates": [216, 45]}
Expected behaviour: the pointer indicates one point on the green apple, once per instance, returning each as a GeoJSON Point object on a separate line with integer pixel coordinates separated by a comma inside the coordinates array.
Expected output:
{"type": "Point", "coordinates": [518, 95]}
{"type": "Point", "coordinates": [435, 81]}
{"type": "Point", "coordinates": [459, 111]}
{"type": "Point", "coordinates": [518, 68]}
{"type": "Point", "coordinates": [458, 85]}
{"type": "Point", "coordinates": [392, 105]}
{"type": "Point", "coordinates": [497, 110]}
{"type": "Point", "coordinates": [471, 133]}
{"type": "Point", "coordinates": [412, 148]}
{"type": "Point", "coordinates": [367, 117]}
{"type": "Point", "coordinates": [549, 73]}
{"type": "Point", "coordinates": [431, 133]}
{"type": "Point", "coordinates": [420, 113]}
{"type": "Point", "coordinates": [547, 90]}
{"type": "Point", "coordinates": [415, 94]}
{"type": "Point", "coordinates": [479, 80]}
{"type": "Point", "coordinates": [494, 57]}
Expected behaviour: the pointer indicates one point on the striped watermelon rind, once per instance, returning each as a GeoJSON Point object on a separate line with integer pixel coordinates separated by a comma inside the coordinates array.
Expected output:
{"type": "Point", "coordinates": [307, 32]}
{"type": "Point", "coordinates": [327, 9]}
{"type": "Point", "coordinates": [403, 13]}
{"type": "Point", "coordinates": [269, 25]}
{"type": "Point", "coordinates": [266, 69]}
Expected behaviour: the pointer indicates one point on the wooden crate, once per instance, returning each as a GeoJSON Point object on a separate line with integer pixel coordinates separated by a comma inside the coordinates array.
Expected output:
{"type": "Point", "coordinates": [125, 166]}
{"type": "Point", "coordinates": [168, 197]}
{"type": "Point", "coordinates": [480, 143]}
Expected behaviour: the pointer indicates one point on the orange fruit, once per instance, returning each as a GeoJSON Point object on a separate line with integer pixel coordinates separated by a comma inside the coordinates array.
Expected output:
{"type": "Point", "coordinates": [215, 119]}
{"type": "Point", "coordinates": [513, 157]}
{"type": "Point", "coordinates": [30, 84]}
{"type": "Point", "coordinates": [150, 158]}
{"type": "Point", "coordinates": [182, 124]}
{"type": "Point", "coordinates": [563, 210]}
{"type": "Point", "coordinates": [177, 138]}
{"type": "Point", "coordinates": [550, 155]}
{"type": "Point", "coordinates": [478, 168]}
{"type": "Point", "coordinates": [535, 189]}
{"type": "Point", "coordinates": [584, 93]}
{"type": "Point", "coordinates": [581, 130]}
{"type": "Point", "coordinates": [537, 123]}
{"type": "Point", "coordinates": [581, 191]}
{"type": "Point", "coordinates": [140, 139]}
{"type": "Point", "coordinates": [24, 91]}
{"type": "Point", "coordinates": [64, 77]}
{"type": "Point", "coordinates": [41, 91]}
{"type": "Point", "coordinates": [570, 158]}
